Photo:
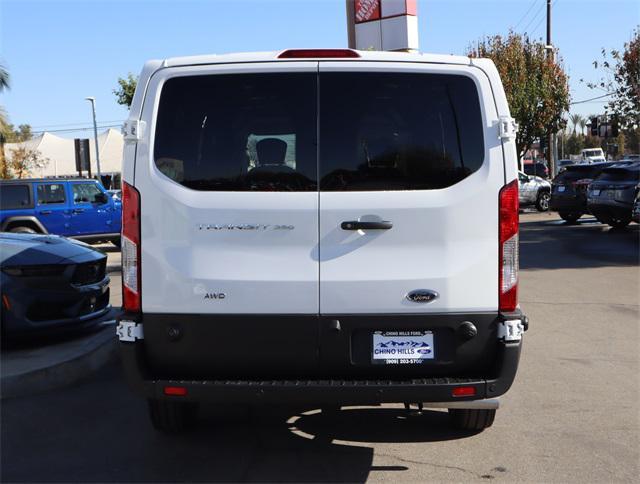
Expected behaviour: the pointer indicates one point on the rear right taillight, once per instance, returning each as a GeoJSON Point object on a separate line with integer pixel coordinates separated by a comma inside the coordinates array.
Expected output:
{"type": "Point", "coordinates": [508, 248]}
{"type": "Point", "coordinates": [130, 248]}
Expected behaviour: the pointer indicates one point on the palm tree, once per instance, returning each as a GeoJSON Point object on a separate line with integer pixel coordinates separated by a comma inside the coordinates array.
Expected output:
{"type": "Point", "coordinates": [4, 120]}
{"type": "Point", "coordinates": [4, 78]}
{"type": "Point", "coordinates": [575, 120]}
{"type": "Point", "coordinates": [583, 124]}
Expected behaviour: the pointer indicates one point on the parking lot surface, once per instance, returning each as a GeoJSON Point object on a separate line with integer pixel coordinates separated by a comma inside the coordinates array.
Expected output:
{"type": "Point", "coordinates": [572, 414]}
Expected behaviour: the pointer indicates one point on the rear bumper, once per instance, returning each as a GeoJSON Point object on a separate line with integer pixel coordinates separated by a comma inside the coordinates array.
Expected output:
{"type": "Point", "coordinates": [610, 208]}
{"type": "Point", "coordinates": [343, 392]}
{"type": "Point", "coordinates": [568, 204]}
{"type": "Point", "coordinates": [344, 384]}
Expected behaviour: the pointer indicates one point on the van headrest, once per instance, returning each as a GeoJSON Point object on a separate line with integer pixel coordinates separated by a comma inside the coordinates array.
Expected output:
{"type": "Point", "coordinates": [271, 151]}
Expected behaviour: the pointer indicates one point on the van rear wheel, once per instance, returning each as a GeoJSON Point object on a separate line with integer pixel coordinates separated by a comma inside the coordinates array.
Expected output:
{"type": "Point", "coordinates": [472, 419]}
{"type": "Point", "coordinates": [172, 417]}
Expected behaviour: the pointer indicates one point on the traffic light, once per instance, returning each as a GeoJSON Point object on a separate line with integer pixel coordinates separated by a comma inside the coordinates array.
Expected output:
{"type": "Point", "coordinates": [594, 126]}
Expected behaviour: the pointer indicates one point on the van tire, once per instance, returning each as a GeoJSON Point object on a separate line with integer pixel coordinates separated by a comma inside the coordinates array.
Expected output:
{"type": "Point", "coordinates": [570, 217]}
{"type": "Point", "coordinates": [172, 417]}
{"type": "Point", "coordinates": [117, 242]}
{"type": "Point", "coordinates": [22, 230]}
{"type": "Point", "coordinates": [472, 419]}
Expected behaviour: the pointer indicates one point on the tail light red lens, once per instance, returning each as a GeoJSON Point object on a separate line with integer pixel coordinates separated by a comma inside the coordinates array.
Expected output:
{"type": "Point", "coordinates": [508, 247]}
{"type": "Point", "coordinates": [463, 392]}
{"type": "Point", "coordinates": [131, 294]}
{"type": "Point", "coordinates": [318, 53]}
{"type": "Point", "coordinates": [175, 391]}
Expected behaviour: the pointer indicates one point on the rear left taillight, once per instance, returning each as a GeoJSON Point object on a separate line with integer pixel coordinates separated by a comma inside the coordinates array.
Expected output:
{"type": "Point", "coordinates": [508, 247]}
{"type": "Point", "coordinates": [131, 293]}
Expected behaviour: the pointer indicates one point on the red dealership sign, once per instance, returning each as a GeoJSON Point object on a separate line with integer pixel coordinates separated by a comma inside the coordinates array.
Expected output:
{"type": "Point", "coordinates": [366, 10]}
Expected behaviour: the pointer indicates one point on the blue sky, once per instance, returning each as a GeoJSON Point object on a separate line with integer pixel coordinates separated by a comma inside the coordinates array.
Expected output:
{"type": "Point", "coordinates": [59, 52]}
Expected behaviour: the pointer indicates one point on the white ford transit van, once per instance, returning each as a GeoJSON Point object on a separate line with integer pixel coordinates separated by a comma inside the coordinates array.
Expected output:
{"type": "Point", "coordinates": [327, 227]}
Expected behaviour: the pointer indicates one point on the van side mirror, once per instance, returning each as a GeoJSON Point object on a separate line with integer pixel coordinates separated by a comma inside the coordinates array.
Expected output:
{"type": "Point", "coordinates": [101, 198]}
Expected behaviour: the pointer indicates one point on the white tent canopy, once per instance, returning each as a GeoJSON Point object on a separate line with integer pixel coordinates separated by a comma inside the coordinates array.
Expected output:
{"type": "Point", "coordinates": [61, 153]}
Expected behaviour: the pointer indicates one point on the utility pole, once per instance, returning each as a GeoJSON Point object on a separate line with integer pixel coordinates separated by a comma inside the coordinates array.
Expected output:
{"type": "Point", "coordinates": [351, 24]}
{"type": "Point", "coordinates": [550, 141]}
{"type": "Point", "coordinates": [92, 100]}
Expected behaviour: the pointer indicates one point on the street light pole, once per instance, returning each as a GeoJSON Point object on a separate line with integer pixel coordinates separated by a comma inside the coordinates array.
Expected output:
{"type": "Point", "coordinates": [92, 100]}
{"type": "Point", "coordinates": [550, 140]}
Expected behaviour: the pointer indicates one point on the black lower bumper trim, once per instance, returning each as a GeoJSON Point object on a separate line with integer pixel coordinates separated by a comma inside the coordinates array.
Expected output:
{"type": "Point", "coordinates": [353, 392]}
{"type": "Point", "coordinates": [322, 391]}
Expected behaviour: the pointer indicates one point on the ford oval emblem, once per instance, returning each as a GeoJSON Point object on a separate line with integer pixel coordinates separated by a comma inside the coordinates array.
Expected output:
{"type": "Point", "coordinates": [422, 295]}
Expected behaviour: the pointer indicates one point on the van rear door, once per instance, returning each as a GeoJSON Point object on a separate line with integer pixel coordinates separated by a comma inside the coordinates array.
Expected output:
{"type": "Point", "coordinates": [410, 166]}
{"type": "Point", "coordinates": [228, 188]}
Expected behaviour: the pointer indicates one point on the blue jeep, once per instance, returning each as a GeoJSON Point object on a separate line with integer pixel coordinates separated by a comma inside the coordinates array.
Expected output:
{"type": "Point", "coordinates": [79, 208]}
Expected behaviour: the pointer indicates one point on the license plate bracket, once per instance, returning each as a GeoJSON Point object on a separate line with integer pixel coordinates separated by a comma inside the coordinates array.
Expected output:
{"type": "Point", "coordinates": [402, 347]}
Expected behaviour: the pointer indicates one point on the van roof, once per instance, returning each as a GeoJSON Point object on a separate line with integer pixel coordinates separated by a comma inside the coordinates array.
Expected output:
{"type": "Point", "coordinates": [273, 57]}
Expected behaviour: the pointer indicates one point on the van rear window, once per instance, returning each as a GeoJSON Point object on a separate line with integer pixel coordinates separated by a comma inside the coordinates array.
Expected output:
{"type": "Point", "coordinates": [253, 132]}
{"type": "Point", "coordinates": [394, 131]}
{"type": "Point", "coordinates": [372, 131]}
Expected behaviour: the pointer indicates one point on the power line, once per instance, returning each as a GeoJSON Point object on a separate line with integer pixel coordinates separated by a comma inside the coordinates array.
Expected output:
{"type": "Point", "coordinates": [525, 15]}
{"type": "Point", "coordinates": [535, 29]}
{"type": "Point", "coordinates": [79, 123]}
{"type": "Point", "coordinates": [68, 130]}
{"type": "Point", "coordinates": [534, 18]}
{"type": "Point", "coordinates": [592, 99]}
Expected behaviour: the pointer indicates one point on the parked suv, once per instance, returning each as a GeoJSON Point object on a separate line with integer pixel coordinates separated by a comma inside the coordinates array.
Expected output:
{"type": "Point", "coordinates": [78, 208]}
{"type": "Point", "coordinates": [289, 240]}
{"type": "Point", "coordinates": [534, 191]}
{"type": "Point", "coordinates": [569, 189]}
{"type": "Point", "coordinates": [611, 195]}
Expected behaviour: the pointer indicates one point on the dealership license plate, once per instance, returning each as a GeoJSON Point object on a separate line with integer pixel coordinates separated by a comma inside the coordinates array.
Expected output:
{"type": "Point", "coordinates": [561, 189]}
{"type": "Point", "coordinates": [595, 193]}
{"type": "Point", "coordinates": [402, 347]}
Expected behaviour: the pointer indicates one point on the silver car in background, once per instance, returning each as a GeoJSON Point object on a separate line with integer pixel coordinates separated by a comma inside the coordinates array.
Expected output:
{"type": "Point", "coordinates": [534, 191]}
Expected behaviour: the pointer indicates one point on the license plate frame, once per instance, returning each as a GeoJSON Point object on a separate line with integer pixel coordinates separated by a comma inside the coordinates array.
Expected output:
{"type": "Point", "coordinates": [414, 347]}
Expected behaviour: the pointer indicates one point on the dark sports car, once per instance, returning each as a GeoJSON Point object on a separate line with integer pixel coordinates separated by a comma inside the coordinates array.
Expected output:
{"type": "Point", "coordinates": [50, 283]}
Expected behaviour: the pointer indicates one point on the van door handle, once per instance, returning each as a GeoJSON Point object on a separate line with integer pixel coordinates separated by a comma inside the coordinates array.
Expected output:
{"type": "Point", "coordinates": [78, 210]}
{"type": "Point", "coordinates": [356, 225]}
{"type": "Point", "coordinates": [45, 212]}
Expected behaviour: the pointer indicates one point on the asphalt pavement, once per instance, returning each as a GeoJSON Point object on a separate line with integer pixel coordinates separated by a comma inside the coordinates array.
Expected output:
{"type": "Point", "coordinates": [571, 416]}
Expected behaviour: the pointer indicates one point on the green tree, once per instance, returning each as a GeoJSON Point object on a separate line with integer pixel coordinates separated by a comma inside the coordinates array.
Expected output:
{"type": "Point", "coordinates": [592, 142]}
{"type": "Point", "coordinates": [24, 160]}
{"type": "Point", "coordinates": [621, 80]}
{"type": "Point", "coordinates": [573, 145]}
{"type": "Point", "coordinates": [22, 133]}
{"type": "Point", "coordinates": [620, 141]}
{"type": "Point", "coordinates": [126, 89]}
{"type": "Point", "coordinates": [536, 86]}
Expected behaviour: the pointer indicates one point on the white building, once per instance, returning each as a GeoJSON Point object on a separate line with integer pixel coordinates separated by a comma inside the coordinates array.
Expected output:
{"type": "Point", "coordinates": [61, 154]}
